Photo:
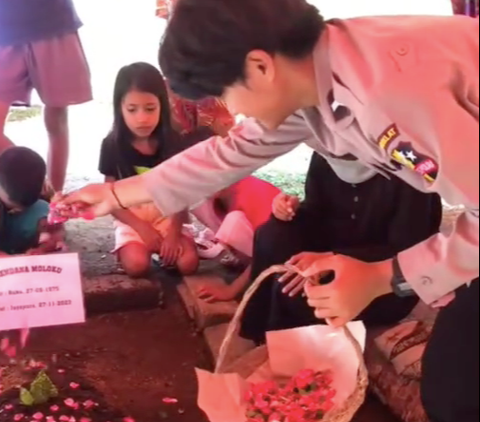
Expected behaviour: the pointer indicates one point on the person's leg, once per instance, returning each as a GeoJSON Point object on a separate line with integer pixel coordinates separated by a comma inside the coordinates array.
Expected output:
{"type": "Point", "coordinates": [135, 259]}
{"type": "Point", "coordinates": [60, 73]}
{"type": "Point", "coordinates": [237, 232]}
{"type": "Point", "coordinates": [205, 213]}
{"type": "Point", "coordinates": [388, 310]}
{"type": "Point", "coordinates": [450, 381]}
{"type": "Point", "coordinates": [274, 243]}
{"type": "Point", "coordinates": [132, 253]}
{"type": "Point", "coordinates": [189, 260]}
{"type": "Point", "coordinates": [5, 142]}
{"type": "Point", "coordinates": [295, 312]}
{"type": "Point", "coordinates": [56, 124]}
{"type": "Point", "coordinates": [15, 86]}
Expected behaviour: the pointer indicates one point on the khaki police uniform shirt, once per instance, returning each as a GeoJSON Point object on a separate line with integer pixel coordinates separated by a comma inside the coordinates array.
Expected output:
{"type": "Point", "coordinates": [401, 93]}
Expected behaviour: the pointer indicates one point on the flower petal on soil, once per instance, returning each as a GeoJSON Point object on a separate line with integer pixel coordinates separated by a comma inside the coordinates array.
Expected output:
{"type": "Point", "coordinates": [170, 400]}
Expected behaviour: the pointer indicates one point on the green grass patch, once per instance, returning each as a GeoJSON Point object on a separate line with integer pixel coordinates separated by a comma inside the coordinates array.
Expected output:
{"type": "Point", "coordinates": [290, 183]}
{"type": "Point", "coordinates": [24, 113]}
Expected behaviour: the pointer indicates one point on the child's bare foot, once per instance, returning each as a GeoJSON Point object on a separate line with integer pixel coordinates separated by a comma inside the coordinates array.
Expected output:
{"type": "Point", "coordinates": [216, 292]}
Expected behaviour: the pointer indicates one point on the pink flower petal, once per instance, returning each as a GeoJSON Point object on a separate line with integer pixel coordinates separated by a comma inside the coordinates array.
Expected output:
{"type": "Point", "coordinates": [88, 404]}
{"type": "Point", "coordinates": [169, 400]}
{"type": "Point", "coordinates": [70, 403]}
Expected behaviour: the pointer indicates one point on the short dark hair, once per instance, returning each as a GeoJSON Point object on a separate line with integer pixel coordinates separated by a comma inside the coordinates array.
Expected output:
{"type": "Point", "coordinates": [207, 41]}
{"type": "Point", "coordinates": [22, 175]}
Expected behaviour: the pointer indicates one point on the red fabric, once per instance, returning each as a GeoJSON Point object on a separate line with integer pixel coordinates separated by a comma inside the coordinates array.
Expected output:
{"type": "Point", "coordinates": [254, 197]}
{"type": "Point", "coordinates": [189, 115]}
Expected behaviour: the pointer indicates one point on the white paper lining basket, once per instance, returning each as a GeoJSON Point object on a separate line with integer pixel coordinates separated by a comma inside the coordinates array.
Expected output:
{"type": "Point", "coordinates": [250, 362]}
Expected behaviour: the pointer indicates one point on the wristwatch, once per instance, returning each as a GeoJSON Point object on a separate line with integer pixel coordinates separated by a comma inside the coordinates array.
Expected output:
{"type": "Point", "coordinates": [399, 284]}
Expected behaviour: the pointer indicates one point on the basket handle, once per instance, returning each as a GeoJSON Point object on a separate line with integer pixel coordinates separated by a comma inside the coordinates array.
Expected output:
{"type": "Point", "coordinates": [235, 323]}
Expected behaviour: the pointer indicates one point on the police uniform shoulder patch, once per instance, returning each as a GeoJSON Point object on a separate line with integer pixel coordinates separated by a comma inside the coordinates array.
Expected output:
{"type": "Point", "coordinates": [406, 155]}
{"type": "Point", "coordinates": [388, 136]}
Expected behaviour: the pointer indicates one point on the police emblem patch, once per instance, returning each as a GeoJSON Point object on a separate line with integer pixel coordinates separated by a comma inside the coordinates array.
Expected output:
{"type": "Point", "coordinates": [406, 155]}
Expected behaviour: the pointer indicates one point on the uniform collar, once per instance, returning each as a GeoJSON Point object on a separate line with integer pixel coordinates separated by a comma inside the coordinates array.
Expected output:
{"type": "Point", "coordinates": [324, 78]}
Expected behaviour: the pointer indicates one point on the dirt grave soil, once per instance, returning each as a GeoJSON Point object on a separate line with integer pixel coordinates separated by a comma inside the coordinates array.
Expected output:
{"type": "Point", "coordinates": [133, 363]}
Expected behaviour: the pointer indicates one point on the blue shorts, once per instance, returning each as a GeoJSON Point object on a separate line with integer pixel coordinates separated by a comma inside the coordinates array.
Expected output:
{"type": "Point", "coordinates": [20, 232]}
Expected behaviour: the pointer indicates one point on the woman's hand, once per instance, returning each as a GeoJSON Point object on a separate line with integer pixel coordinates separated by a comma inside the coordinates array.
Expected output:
{"type": "Point", "coordinates": [96, 200]}
{"type": "Point", "coordinates": [171, 248]}
{"type": "Point", "coordinates": [293, 283]}
{"type": "Point", "coordinates": [305, 260]}
{"type": "Point", "coordinates": [355, 286]}
{"type": "Point", "coordinates": [285, 207]}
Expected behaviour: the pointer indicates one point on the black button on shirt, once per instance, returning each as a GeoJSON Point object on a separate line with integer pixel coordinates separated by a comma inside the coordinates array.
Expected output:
{"type": "Point", "coordinates": [379, 212]}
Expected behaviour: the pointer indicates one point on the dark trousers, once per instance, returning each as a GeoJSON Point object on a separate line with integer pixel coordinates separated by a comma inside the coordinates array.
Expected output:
{"type": "Point", "coordinates": [450, 384]}
{"type": "Point", "coordinates": [270, 309]}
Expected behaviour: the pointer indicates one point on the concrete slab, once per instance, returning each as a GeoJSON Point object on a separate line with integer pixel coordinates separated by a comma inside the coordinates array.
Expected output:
{"type": "Point", "coordinates": [204, 314]}
{"type": "Point", "coordinates": [214, 337]}
{"type": "Point", "coordinates": [94, 241]}
{"type": "Point", "coordinates": [106, 288]}
{"type": "Point", "coordinates": [117, 293]}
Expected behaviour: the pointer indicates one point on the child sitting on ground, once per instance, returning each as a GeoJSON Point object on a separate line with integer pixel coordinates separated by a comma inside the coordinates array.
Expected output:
{"type": "Point", "coordinates": [23, 215]}
{"type": "Point", "coordinates": [142, 137]}
{"type": "Point", "coordinates": [234, 214]}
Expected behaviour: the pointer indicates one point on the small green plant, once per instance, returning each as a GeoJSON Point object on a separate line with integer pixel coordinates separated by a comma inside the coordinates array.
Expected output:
{"type": "Point", "coordinates": [41, 391]}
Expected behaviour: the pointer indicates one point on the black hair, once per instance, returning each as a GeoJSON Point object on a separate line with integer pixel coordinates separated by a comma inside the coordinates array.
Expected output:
{"type": "Point", "coordinates": [207, 41]}
{"type": "Point", "coordinates": [142, 77]}
{"type": "Point", "coordinates": [22, 175]}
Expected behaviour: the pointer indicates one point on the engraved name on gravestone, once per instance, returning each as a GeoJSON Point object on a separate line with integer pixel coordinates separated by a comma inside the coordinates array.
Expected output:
{"type": "Point", "coordinates": [40, 291]}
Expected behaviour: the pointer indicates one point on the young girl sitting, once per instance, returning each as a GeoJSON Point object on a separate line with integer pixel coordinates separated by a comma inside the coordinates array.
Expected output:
{"type": "Point", "coordinates": [142, 137]}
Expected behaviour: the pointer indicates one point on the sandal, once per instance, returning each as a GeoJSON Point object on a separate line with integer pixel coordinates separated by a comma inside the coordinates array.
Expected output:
{"type": "Point", "coordinates": [208, 249]}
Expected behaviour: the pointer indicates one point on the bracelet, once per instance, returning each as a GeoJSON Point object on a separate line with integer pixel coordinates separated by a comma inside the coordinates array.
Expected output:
{"type": "Point", "coordinates": [114, 193]}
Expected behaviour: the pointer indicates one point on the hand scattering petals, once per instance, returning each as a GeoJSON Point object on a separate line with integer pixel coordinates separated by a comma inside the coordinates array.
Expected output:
{"type": "Point", "coordinates": [60, 214]}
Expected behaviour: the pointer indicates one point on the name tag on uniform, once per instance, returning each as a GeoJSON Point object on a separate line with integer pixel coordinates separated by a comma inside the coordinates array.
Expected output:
{"type": "Point", "coordinates": [40, 291]}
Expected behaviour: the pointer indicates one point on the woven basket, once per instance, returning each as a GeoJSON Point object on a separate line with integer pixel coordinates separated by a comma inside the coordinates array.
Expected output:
{"type": "Point", "coordinates": [250, 362]}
